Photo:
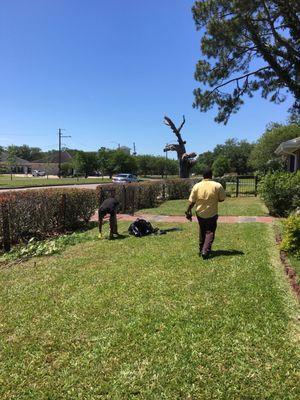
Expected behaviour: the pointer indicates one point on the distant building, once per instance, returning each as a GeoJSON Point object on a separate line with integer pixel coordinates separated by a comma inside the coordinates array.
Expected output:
{"type": "Point", "coordinates": [291, 151]}
{"type": "Point", "coordinates": [20, 165]}
{"type": "Point", "coordinates": [125, 149]}
{"type": "Point", "coordinates": [50, 163]}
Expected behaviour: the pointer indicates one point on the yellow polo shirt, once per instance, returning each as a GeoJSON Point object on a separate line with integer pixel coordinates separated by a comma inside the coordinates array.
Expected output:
{"type": "Point", "coordinates": [206, 196]}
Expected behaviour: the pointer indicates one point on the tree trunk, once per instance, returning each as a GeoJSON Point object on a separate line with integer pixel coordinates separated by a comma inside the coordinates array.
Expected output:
{"type": "Point", "coordinates": [185, 159]}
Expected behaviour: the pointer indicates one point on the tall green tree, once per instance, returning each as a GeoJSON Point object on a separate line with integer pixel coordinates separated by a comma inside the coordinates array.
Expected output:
{"type": "Point", "coordinates": [262, 156]}
{"type": "Point", "coordinates": [237, 152]}
{"type": "Point", "coordinates": [29, 153]}
{"type": "Point", "coordinates": [120, 161]}
{"type": "Point", "coordinates": [104, 161]}
{"type": "Point", "coordinates": [221, 166]}
{"type": "Point", "coordinates": [146, 164]}
{"type": "Point", "coordinates": [85, 163]}
{"type": "Point", "coordinates": [247, 46]}
{"type": "Point", "coordinates": [204, 160]}
{"type": "Point", "coordinates": [156, 165]}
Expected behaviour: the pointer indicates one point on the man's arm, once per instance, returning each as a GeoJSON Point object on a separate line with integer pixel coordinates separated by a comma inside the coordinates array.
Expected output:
{"type": "Point", "coordinates": [188, 212]}
{"type": "Point", "coordinates": [190, 207]}
{"type": "Point", "coordinates": [222, 194]}
{"type": "Point", "coordinates": [192, 202]}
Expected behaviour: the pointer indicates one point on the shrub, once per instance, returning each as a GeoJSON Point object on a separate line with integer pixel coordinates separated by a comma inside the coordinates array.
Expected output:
{"type": "Point", "coordinates": [136, 196]}
{"type": "Point", "coordinates": [36, 248]}
{"type": "Point", "coordinates": [281, 192]}
{"type": "Point", "coordinates": [132, 196]}
{"type": "Point", "coordinates": [177, 189]}
{"type": "Point", "coordinates": [41, 213]}
{"type": "Point", "coordinates": [291, 238]}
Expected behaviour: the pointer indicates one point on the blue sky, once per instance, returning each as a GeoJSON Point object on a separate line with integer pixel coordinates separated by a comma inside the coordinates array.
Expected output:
{"type": "Point", "coordinates": [107, 72]}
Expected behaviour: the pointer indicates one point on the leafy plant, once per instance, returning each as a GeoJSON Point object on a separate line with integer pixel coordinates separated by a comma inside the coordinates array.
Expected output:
{"type": "Point", "coordinates": [281, 192]}
{"type": "Point", "coordinates": [35, 247]}
{"type": "Point", "coordinates": [262, 157]}
{"type": "Point", "coordinates": [291, 238]}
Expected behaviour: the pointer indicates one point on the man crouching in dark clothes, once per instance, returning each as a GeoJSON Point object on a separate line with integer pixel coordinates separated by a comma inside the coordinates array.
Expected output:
{"type": "Point", "coordinates": [109, 206]}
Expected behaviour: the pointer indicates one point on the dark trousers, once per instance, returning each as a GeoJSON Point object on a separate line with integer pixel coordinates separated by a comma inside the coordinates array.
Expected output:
{"type": "Point", "coordinates": [113, 223]}
{"type": "Point", "coordinates": [207, 229]}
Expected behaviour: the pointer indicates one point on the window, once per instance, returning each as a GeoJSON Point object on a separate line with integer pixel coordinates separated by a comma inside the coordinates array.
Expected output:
{"type": "Point", "coordinates": [292, 163]}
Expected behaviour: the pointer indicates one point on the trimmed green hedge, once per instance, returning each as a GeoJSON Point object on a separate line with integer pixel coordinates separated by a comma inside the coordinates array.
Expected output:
{"type": "Point", "coordinates": [136, 196]}
{"type": "Point", "coordinates": [44, 212]}
{"type": "Point", "coordinates": [281, 192]}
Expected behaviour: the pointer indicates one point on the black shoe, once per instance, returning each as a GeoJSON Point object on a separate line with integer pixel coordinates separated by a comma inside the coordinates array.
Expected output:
{"type": "Point", "coordinates": [205, 256]}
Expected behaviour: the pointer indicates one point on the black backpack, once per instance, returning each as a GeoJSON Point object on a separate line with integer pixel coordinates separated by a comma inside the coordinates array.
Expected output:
{"type": "Point", "coordinates": [141, 227]}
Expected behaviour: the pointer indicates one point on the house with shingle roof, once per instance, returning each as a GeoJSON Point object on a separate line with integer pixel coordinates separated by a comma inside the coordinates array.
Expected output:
{"type": "Point", "coordinates": [291, 151]}
{"type": "Point", "coordinates": [49, 164]}
{"type": "Point", "coordinates": [19, 166]}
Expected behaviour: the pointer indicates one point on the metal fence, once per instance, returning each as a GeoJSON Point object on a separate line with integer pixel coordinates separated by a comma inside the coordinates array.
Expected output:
{"type": "Point", "coordinates": [242, 186]}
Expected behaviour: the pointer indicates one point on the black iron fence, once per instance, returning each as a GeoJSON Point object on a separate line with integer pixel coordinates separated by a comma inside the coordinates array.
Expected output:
{"type": "Point", "coordinates": [243, 185]}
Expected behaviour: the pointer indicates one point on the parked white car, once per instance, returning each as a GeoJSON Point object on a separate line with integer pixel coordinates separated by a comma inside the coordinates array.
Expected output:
{"type": "Point", "coordinates": [37, 172]}
{"type": "Point", "coordinates": [123, 178]}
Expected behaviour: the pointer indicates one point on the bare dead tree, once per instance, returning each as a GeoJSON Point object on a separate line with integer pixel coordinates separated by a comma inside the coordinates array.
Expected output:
{"type": "Point", "coordinates": [186, 160]}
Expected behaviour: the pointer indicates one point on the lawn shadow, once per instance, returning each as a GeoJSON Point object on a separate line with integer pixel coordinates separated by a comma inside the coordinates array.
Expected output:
{"type": "Point", "coordinates": [92, 225]}
{"type": "Point", "coordinates": [219, 253]}
{"type": "Point", "coordinates": [119, 237]}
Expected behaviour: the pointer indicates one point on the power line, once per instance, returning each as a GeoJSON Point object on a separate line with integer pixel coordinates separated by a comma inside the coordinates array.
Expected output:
{"type": "Point", "coordinates": [60, 136]}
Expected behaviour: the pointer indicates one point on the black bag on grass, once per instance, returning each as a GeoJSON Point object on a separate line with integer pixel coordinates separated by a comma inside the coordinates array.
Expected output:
{"type": "Point", "coordinates": [141, 227]}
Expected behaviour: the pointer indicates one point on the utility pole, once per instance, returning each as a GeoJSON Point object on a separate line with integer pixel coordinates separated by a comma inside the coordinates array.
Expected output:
{"type": "Point", "coordinates": [60, 135]}
{"type": "Point", "coordinates": [134, 150]}
{"type": "Point", "coordinates": [166, 170]}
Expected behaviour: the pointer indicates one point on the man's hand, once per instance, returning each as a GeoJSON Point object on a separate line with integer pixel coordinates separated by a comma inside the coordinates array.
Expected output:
{"type": "Point", "coordinates": [188, 215]}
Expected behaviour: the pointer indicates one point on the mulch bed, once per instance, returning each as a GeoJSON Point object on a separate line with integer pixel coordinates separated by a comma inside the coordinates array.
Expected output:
{"type": "Point", "coordinates": [289, 270]}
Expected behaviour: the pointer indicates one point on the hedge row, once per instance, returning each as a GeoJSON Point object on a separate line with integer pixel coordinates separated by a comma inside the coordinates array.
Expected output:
{"type": "Point", "coordinates": [136, 196]}
{"type": "Point", "coordinates": [281, 192]}
{"type": "Point", "coordinates": [41, 213]}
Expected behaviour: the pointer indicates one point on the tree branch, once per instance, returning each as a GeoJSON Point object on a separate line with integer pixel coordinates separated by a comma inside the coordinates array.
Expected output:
{"type": "Point", "coordinates": [270, 59]}
{"type": "Point", "coordinates": [278, 38]}
{"type": "Point", "coordinates": [239, 78]}
{"type": "Point", "coordinates": [183, 122]}
{"type": "Point", "coordinates": [234, 58]}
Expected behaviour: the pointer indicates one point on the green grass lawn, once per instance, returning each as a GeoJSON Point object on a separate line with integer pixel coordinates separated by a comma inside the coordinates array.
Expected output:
{"type": "Point", "coordinates": [249, 206]}
{"type": "Point", "coordinates": [148, 319]}
{"type": "Point", "coordinates": [6, 182]}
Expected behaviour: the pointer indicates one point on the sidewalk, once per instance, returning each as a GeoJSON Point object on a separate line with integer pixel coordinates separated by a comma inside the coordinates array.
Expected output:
{"type": "Point", "coordinates": [182, 219]}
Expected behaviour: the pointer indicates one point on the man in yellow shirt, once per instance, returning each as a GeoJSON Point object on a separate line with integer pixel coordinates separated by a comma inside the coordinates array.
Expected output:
{"type": "Point", "coordinates": [206, 195]}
